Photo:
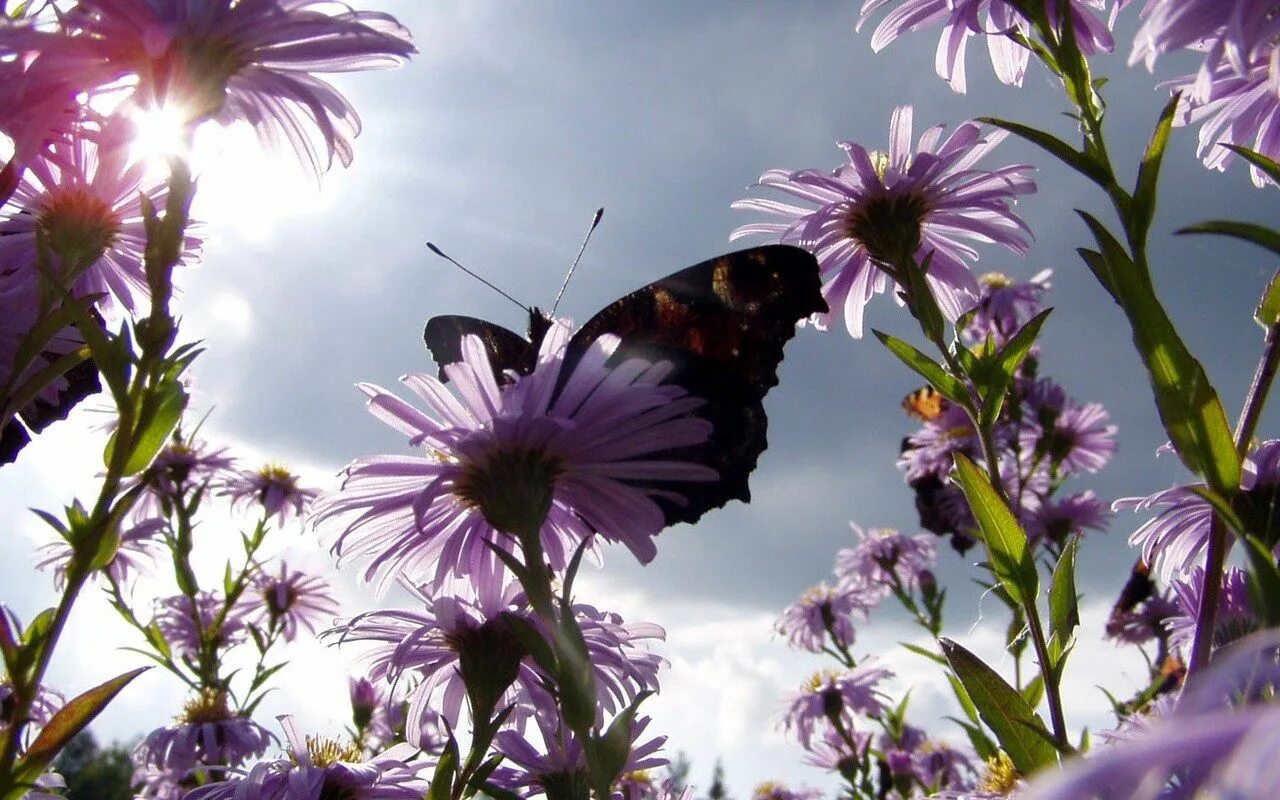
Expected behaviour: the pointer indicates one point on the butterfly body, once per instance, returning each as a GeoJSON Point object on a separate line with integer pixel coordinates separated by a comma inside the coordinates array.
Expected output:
{"type": "Point", "coordinates": [721, 324]}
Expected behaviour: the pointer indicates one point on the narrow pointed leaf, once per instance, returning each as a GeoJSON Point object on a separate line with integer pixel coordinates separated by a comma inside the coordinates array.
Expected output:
{"type": "Point", "coordinates": [1245, 231]}
{"type": "Point", "coordinates": [947, 384]}
{"type": "Point", "coordinates": [1003, 709]}
{"type": "Point", "coordinates": [1268, 312]}
{"type": "Point", "coordinates": [1268, 167]}
{"type": "Point", "coordinates": [1064, 611]}
{"type": "Point", "coordinates": [1056, 148]}
{"type": "Point", "coordinates": [1005, 539]}
{"type": "Point", "coordinates": [1143, 209]}
{"type": "Point", "coordinates": [73, 718]}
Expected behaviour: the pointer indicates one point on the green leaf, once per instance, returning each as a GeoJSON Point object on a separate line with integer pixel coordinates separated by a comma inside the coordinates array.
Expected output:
{"type": "Point", "coordinates": [1033, 692]}
{"type": "Point", "coordinates": [1245, 231]}
{"type": "Point", "coordinates": [920, 300]}
{"type": "Point", "coordinates": [1188, 404]}
{"type": "Point", "coordinates": [1006, 542]}
{"type": "Point", "coordinates": [1268, 312]}
{"type": "Point", "coordinates": [1064, 611]}
{"type": "Point", "coordinates": [1055, 147]}
{"type": "Point", "coordinates": [442, 779]}
{"type": "Point", "coordinates": [920, 651]}
{"type": "Point", "coordinates": [73, 718]}
{"type": "Point", "coordinates": [947, 384]}
{"type": "Point", "coordinates": [615, 745]}
{"type": "Point", "coordinates": [1098, 266]}
{"type": "Point", "coordinates": [1004, 710]}
{"type": "Point", "coordinates": [1269, 167]}
{"type": "Point", "coordinates": [1264, 581]}
{"type": "Point", "coordinates": [1220, 504]}
{"type": "Point", "coordinates": [1008, 361]}
{"type": "Point", "coordinates": [159, 425]}
{"type": "Point", "coordinates": [1143, 209]}
{"type": "Point", "coordinates": [983, 747]}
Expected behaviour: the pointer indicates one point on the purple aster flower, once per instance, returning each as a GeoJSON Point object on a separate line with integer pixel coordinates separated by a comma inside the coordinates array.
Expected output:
{"type": "Point", "coordinates": [150, 783]}
{"type": "Point", "coordinates": [1078, 438]}
{"type": "Point", "coordinates": [378, 714]}
{"type": "Point", "coordinates": [273, 487]}
{"type": "Point", "coordinates": [1235, 618]}
{"type": "Point", "coordinates": [1004, 305]}
{"type": "Point", "coordinates": [827, 611]}
{"type": "Point", "coordinates": [458, 647]}
{"type": "Point", "coordinates": [937, 765]}
{"type": "Point", "coordinates": [135, 555]}
{"type": "Point", "coordinates": [640, 785]}
{"type": "Point", "coordinates": [831, 694]}
{"type": "Point", "coordinates": [49, 786]}
{"type": "Point", "coordinates": [1233, 93]}
{"type": "Point", "coordinates": [291, 598]}
{"type": "Point", "coordinates": [87, 199]}
{"type": "Point", "coordinates": [556, 765]}
{"type": "Point", "coordinates": [1057, 520]}
{"type": "Point", "coordinates": [600, 446]}
{"type": "Point", "coordinates": [771, 790]}
{"type": "Point", "coordinates": [997, 20]}
{"type": "Point", "coordinates": [321, 769]}
{"type": "Point", "coordinates": [251, 60]}
{"type": "Point", "coordinates": [831, 752]}
{"type": "Point", "coordinates": [186, 629]}
{"type": "Point", "coordinates": [461, 646]}
{"type": "Point", "coordinates": [179, 466]}
{"type": "Point", "coordinates": [882, 207]}
{"type": "Point", "coordinates": [206, 734]}
{"type": "Point", "coordinates": [1176, 537]}
{"type": "Point", "coordinates": [885, 557]}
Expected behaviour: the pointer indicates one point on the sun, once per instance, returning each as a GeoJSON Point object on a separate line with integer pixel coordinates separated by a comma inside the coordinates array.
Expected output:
{"type": "Point", "coordinates": [160, 133]}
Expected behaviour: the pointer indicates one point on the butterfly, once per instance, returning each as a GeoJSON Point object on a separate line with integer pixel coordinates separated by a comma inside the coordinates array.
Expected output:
{"type": "Point", "coordinates": [721, 324]}
{"type": "Point", "coordinates": [925, 403]}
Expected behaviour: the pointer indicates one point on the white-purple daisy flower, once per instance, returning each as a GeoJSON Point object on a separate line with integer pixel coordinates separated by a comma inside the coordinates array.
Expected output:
{"type": "Point", "coordinates": [250, 61]}
{"type": "Point", "coordinates": [86, 198]}
{"type": "Point", "coordinates": [843, 695]}
{"type": "Point", "coordinates": [831, 752]}
{"type": "Point", "coordinates": [289, 598]}
{"type": "Point", "coordinates": [1175, 539]}
{"type": "Point", "coordinates": [883, 556]}
{"type": "Point", "coordinates": [274, 488]}
{"type": "Point", "coordinates": [555, 763]}
{"type": "Point", "coordinates": [998, 21]}
{"type": "Point", "coordinates": [186, 628]}
{"type": "Point", "coordinates": [923, 203]}
{"type": "Point", "coordinates": [1234, 92]}
{"type": "Point", "coordinates": [828, 611]}
{"type": "Point", "coordinates": [206, 734]}
{"type": "Point", "coordinates": [323, 769]}
{"type": "Point", "coordinates": [596, 438]}
{"type": "Point", "coordinates": [931, 450]}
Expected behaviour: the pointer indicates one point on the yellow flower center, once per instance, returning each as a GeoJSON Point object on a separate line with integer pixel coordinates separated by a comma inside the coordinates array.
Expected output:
{"type": "Point", "coordinates": [325, 751]}
{"type": "Point", "coordinates": [208, 706]}
{"type": "Point", "coordinates": [995, 280]}
{"type": "Point", "coordinates": [1001, 777]}
{"type": "Point", "coordinates": [78, 225]}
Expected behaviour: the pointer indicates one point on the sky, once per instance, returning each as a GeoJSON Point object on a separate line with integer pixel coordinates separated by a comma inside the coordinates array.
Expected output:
{"type": "Point", "coordinates": [498, 142]}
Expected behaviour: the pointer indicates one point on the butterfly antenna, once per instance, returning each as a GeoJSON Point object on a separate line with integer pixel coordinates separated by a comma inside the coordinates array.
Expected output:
{"type": "Point", "coordinates": [595, 221]}
{"type": "Point", "coordinates": [431, 246]}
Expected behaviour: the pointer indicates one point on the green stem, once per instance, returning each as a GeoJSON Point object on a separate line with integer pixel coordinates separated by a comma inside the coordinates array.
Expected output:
{"type": "Point", "coordinates": [1219, 538]}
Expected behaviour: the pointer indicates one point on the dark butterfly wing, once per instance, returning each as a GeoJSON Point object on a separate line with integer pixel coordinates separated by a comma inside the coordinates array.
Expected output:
{"type": "Point", "coordinates": [507, 349]}
{"type": "Point", "coordinates": [722, 324]}
{"type": "Point", "coordinates": [82, 381]}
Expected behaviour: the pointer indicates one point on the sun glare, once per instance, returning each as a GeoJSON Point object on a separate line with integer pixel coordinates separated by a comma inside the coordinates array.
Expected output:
{"type": "Point", "coordinates": [160, 134]}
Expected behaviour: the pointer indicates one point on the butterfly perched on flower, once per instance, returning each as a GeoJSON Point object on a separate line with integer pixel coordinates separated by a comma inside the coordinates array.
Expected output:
{"type": "Point", "coordinates": [925, 404]}
{"type": "Point", "coordinates": [721, 324]}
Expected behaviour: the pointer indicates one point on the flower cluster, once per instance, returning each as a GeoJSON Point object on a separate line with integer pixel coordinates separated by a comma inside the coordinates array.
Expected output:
{"type": "Point", "coordinates": [1042, 438]}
